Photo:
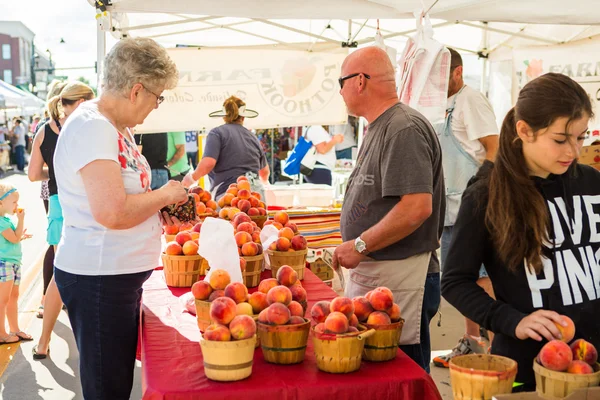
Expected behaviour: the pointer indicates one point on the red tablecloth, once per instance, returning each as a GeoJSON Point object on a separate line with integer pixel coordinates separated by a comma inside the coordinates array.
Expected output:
{"type": "Point", "coordinates": [172, 365]}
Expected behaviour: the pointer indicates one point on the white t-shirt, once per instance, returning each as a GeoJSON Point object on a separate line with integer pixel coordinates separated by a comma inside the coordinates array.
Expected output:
{"type": "Point", "coordinates": [191, 141]}
{"type": "Point", "coordinates": [473, 118]}
{"type": "Point", "coordinates": [20, 132]}
{"type": "Point", "coordinates": [86, 247]}
{"type": "Point", "coordinates": [317, 134]}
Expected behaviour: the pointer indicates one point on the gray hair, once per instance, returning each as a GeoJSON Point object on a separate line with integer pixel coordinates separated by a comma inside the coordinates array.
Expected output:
{"type": "Point", "coordinates": [138, 60]}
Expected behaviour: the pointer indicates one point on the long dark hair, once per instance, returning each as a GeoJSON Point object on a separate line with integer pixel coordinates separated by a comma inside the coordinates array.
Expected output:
{"type": "Point", "coordinates": [516, 214]}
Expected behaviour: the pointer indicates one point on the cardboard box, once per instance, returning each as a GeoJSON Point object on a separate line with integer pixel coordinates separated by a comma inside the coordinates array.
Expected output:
{"type": "Point", "coordinates": [321, 269]}
{"type": "Point", "coordinates": [590, 155]}
{"type": "Point", "coordinates": [581, 394]}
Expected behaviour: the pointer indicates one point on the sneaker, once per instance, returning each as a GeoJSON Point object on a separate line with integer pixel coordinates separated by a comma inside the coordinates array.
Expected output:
{"type": "Point", "coordinates": [466, 345]}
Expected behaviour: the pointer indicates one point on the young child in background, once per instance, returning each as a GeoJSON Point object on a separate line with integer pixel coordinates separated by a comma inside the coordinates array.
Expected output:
{"type": "Point", "coordinates": [10, 264]}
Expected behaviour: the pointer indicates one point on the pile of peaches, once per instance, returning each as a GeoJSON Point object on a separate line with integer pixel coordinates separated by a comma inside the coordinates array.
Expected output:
{"type": "Point", "coordinates": [289, 239]}
{"type": "Point", "coordinates": [578, 358]}
{"type": "Point", "coordinates": [205, 205]}
{"type": "Point", "coordinates": [247, 235]}
{"type": "Point", "coordinates": [186, 239]}
{"type": "Point", "coordinates": [283, 299]}
{"type": "Point", "coordinates": [342, 315]}
{"type": "Point", "coordinates": [240, 197]}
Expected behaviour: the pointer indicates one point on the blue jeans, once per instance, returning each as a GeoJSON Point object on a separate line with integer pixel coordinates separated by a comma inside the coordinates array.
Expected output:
{"type": "Point", "coordinates": [193, 158]}
{"type": "Point", "coordinates": [319, 176]}
{"type": "Point", "coordinates": [20, 157]}
{"type": "Point", "coordinates": [345, 154]}
{"type": "Point", "coordinates": [445, 247]}
{"type": "Point", "coordinates": [104, 312]}
{"type": "Point", "coordinates": [421, 353]}
{"type": "Point", "coordinates": [160, 177]}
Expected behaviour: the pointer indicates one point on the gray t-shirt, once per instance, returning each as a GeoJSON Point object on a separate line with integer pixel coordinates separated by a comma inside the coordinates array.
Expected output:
{"type": "Point", "coordinates": [237, 151]}
{"type": "Point", "coordinates": [20, 133]}
{"type": "Point", "coordinates": [400, 155]}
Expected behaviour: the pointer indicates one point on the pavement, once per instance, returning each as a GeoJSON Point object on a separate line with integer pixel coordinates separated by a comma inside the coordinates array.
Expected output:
{"type": "Point", "coordinates": [56, 378]}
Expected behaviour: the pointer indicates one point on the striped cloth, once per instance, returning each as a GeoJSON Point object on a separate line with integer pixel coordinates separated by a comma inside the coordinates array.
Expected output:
{"type": "Point", "coordinates": [320, 226]}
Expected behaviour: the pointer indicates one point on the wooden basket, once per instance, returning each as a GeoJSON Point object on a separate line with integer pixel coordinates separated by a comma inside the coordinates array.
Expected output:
{"type": "Point", "coordinates": [481, 376]}
{"type": "Point", "coordinates": [383, 345]}
{"type": "Point", "coordinates": [558, 385]}
{"type": "Point", "coordinates": [183, 271]}
{"type": "Point", "coordinates": [284, 344]}
{"type": "Point", "coordinates": [203, 314]}
{"type": "Point", "coordinates": [253, 269]}
{"type": "Point", "coordinates": [339, 354]}
{"type": "Point", "coordinates": [295, 259]}
{"type": "Point", "coordinates": [228, 361]}
{"type": "Point", "coordinates": [260, 220]}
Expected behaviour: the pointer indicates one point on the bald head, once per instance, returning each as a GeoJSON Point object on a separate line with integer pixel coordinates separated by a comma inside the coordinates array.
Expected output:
{"type": "Point", "coordinates": [372, 61]}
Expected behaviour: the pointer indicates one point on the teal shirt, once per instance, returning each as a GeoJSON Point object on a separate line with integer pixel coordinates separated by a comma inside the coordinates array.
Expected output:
{"type": "Point", "coordinates": [10, 252]}
{"type": "Point", "coordinates": [182, 166]}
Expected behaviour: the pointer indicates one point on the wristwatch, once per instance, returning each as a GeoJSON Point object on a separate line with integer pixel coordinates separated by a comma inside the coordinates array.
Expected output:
{"type": "Point", "coordinates": [360, 246]}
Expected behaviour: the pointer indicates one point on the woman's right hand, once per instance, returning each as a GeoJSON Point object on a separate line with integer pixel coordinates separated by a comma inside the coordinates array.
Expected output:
{"type": "Point", "coordinates": [538, 324]}
{"type": "Point", "coordinates": [175, 192]}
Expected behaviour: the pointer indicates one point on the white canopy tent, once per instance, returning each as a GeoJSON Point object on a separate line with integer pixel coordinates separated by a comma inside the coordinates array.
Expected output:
{"type": "Point", "coordinates": [14, 102]}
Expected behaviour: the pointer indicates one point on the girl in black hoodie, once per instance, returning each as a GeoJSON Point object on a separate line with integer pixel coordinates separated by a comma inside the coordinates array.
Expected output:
{"type": "Point", "coordinates": [533, 219]}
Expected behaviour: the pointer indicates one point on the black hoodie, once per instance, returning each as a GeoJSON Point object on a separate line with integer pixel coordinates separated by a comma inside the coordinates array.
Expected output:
{"type": "Point", "coordinates": [569, 283]}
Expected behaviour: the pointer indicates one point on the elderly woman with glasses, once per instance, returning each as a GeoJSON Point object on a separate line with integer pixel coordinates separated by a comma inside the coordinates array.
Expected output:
{"type": "Point", "coordinates": [111, 235]}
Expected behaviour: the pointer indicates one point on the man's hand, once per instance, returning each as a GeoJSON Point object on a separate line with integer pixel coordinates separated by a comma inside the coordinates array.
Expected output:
{"type": "Point", "coordinates": [346, 256]}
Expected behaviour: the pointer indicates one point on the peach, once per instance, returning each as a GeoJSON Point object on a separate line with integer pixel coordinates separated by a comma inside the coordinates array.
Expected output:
{"type": "Point", "coordinates": [580, 367]}
{"type": "Point", "coordinates": [299, 242]}
{"type": "Point", "coordinates": [368, 295]}
{"type": "Point", "coordinates": [274, 223]}
{"type": "Point", "coordinates": [242, 264]}
{"type": "Point", "coordinates": [245, 227]}
{"type": "Point", "coordinates": [253, 212]}
{"type": "Point", "coordinates": [219, 279]}
{"type": "Point", "coordinates": [256, 236]}
{"type": "Point", "coordinates": [286, 275]}
{"type": "Point", "coordinates": [196, 189]}
{"type": "Point", "coordinates": [286, 233]}
{"type": "Point", "coordinates": [362, 308]}
{"type": "Point", "coordinates": [171, 229]}
{"type": "Point", "coordinates": [253, 202]}
{"type": "Point", "coordinates": [279, 294]}
{"type": "Point", "coordinates": [234, 202]}
{"type": "Point", "coordinates": [336, 322]}
{"type": "Point", "coordinates": [190, 248]}
{"type": "Point", "coordinates": [296, 320]}
{"type": "Point", "coordinates": [196, 241]}
{"type": "Point", "coordinates": [236, 291]}
{"type": "Point", "coordinates": [173, 249]}
{"type": "Point", "coordinates": [256, 195]}
{"type": "Point", "coordinates": [200, 208]}
{"type": "Point", "coordinates": [195, 235]}
{"type": "Point", "coordinates": [278, 314]}
{"type": "Point", "coordinates": [292, 226]}
{"type": "Point", "coordinates": [267, 284]}
{"type": "Point", "coordinates": [298, 292]}
{"type": "Point", "coordinates": [296, 309]}
{"type": "Point", "coordinates": [221, 202]}
{"type": "Point", "coordinates": [183, 237]}
{"type": "Point", "coordinates": [258, 301]}
{"type": "Point", "coordinates": [197, 227]}
{"type": "Point", "coordinates": [201, 290]}
{"type": "Point", "coordinates": [352, 329]}
{"type": "Point", "coordinates": [250, 249]}
{"type": "Point", "coordinates": [584, 351]}
{"type": "Point", "coordinates": [217, 332]}
{"type": "Point", "coordinates": [243, 184]}
{"type": "Point", "coordinates": [240, 178]}
{"type": "Point", "coordinates": [186, 226]}
{"type": "Point", "coordinates": [283, 244]}
{"type": "Point", "coordinates": [259, 248]}
{"type": "Point", "coordinates": [233, 191]}
{"type": "Point", "coordinates": [273, 246]}
{"type": "Point", "coordinates": [211, 205]}
{"type": "Point", "coordinates": [379, 318]}
{"type": "Point", "coordinates": [282, 217]}
{"type": "Point", "coordinates": [243, 194]}
{"type": "Point", "coordinates": [353, 321]}
{"type": "Point", "coordinates": [222, 310]}
{"type": "Point", "coordinates": [244, 205]}
{"type": "Point", "coordinates": [556, 355]}
{"type": "Point", "coordinates": [244, 308]}
{"type": "Point", "coordinates": [211, 211]}
{"type": "Point", "coordinates": [242, 327]}
{"type": "Point", "coordinates": [320, 311]}
{"type": "Point", "coordinates": [240, 217]}
{"type": "Point", "coordinates": [196, 197]}
{"type": "Point", "coordinates": [394, 313]}
{"type": "Point", "coordinates": [224, 213]}
{"type": "Point", "coordinates": [205, 196]}
{"type": "Point", "coordinates": [242, 237]}
{"type": "Point", "coordinates": [262, 317]}
{"type": "Point", "coordinates": [216, 294]}
{"type": "Point", "coordinates": [567, 332]}
{"type": "Point", "coordinates": [231, 212]}
{"type": "Point", "coordinates": [227, 197]}
{"type": "Point", "coordinates": [343, 305]}
{"type": "Point", "coordinates": [381, 300]}
{"type": "Point", "coordinates": [262, 211]}
{"type": "Point", "coordinates": [320, 327]}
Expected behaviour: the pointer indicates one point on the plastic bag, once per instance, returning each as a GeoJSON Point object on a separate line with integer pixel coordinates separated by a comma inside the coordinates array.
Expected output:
{"type": "Point", "coordinates": [268, 235]}
{"type": "Point", "coordinates": [217, 245]}
{"type": "Point", "coordinates": [188, 303]}
{"type": "Point", "coordinates": [391, 52]}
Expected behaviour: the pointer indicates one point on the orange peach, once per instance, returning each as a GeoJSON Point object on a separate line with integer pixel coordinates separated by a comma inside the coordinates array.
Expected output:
{"type": "Point", "coordinates": [240, 178]}
{"type": "Point", "coordinates": [211, 205]}
{"type": "Point", "coordinates": [394, 313]}
{"type": "Point", "coordinates": [242, 264]}
{"type": "Point", "coordinates": [296, 309]}
{"type": "Point", "coordinates": [244, 308]}
{"type": "Point", "coordinates": [240, 217]}
{"type": "Point", "coordinates": [273, 246]}
{"type": "Point", "coordinates": [580, 367]}
{"type": "Point", "coordinates": [196, 197]}
{"type": "Point", "coordinates": [362, 308]}
{"type": "Point", "coordinates": [196, 189]}
{"type": "Point", "coordinates": [242, 327]}
{"type": "Point", "coordinates": [217, 332]}
{"type": "Point", "coordinates": [243, 184]}
{"type": "Point", "coordinates": [173, 249]}
{"type": "Point", "coordinates": [320, 327]}
{"type": "Point", "coordinates": [258, 301]}
{"type": "Point", "coordinates": [567, 332]}
{"type": "Point", "coordinates": [336, 322]}
{"type": "Point", "coordinates": [274, 223]}
{"type": "Point", "coordinates": [190, 248]}
{"type": "Point", "coordinates": [224, 213]}
{"type": "Point", "coordinates": [186, 226]}
{"type": "Point", "coordinates": [298, 292]}
{"type": "Point", "coordinates": [584, 351]}
{"type": "Point", "coordinates": [211, 211]}
{"type": "Point", "coordinates": [279, 294]}
{"type": "Point", "coordinates": [243, 194]}
{"type": "Point", "coordinates": [256, 195]}
{"type": "Point", "coordinates": [231, 212]}
{"type": "Point", "coordinates": [262, 211]}
{"type": "Point", "coordinates": [381, 300]}
{"type": "Point", "coordinates": [195, 235]}
{"type": "Point", "coordinates": [296, 320]}
{"type": "Point", "coordinates": [183, 237]}
{"type": "Point", "coordinates": [253, 212]}
{"type": "Point", "coordinates": [292, 226]}
{"type": "Point", "coordinates": [353, 321]}
{"type": "Point", "coordinates": [201, 290]}
{"type": "Point", "coordinates": [287, 276]}
{"type": "Point", "coordinates": [222, 310]}
{"type": "Point", "coordinates": [197, 227]}
{"type": "Point", "coordinates": [256, 236]}
{"type": "Point", "coordinates": [200, 208]}
{"type": "Point", "coordinates": [278, 314]}
{"type": "Point", "coordinates": [343, 305]}
{"type": "Point", "coordinates": [234, 202]}
{"type": "Point", "coordinates": [286, 233]}
{"type": "Point", "coordinates": [219, 279]}
{"type": "Point", "coordinates": [236, 291]}
{"type": "Point", "coordinates": [282, 217]}
{"type": "Point", "coordinates": [299, 242]}
{"type": "Point", "coordinates": [253, 202]}
{"type": "Point", "coordinates": [283, 244]}
{"type": "Point", "coordinates": [262, 317]}
{"type": "Point", "coordinates": [259, 248]}
{"type": "Point", "coordinates": [320, 311]}
{"type": "Point", "coordinates": [171, 229]}
{"type": "Point", "coordinates": [250, 249]}
{"type": "Point", "coordinates": [352, 329]}
{"type": "Point", "coordinates": [245, 227]}
{"type": "Point", "coordinates": [369, 294]}
{"type": "Point", "coordinates": [227, 197]}
{"type": "Point", "coordinates": [205, 196]}
{"type": "Point", "coordinates": [221, 202]}
{"type": "Point", "coordinates": [244, 205]}
{"type": "Point", "coordinates": [263, 205]}
{"type": "Point", "coordinates": [216, 294]}
{"type": "Point", "coordinates": [556, 355]}
{"type": "Point", "coordinates": [267, 284]}
{"type": "Point", "coordinates": [379, 318]}
{"type": "Point", "coordinates": [242, 237]}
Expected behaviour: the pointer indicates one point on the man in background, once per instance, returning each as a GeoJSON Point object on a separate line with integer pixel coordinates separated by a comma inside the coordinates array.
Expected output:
{"type": "Point", "coordinates": [177, 161]}
{"type": "Point", "coordinates": [154, 148]}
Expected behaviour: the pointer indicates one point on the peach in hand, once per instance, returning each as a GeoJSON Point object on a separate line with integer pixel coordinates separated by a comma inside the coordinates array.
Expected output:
{"type": "Point", "coordinates": [236, 291]}
{"type": "Point", "coordinates": [567, 332]}
{"type": "Point", "coordinates": [343, 305]}
{"type": "Point", "coordinates": [279, 294]}
{"type": "Point", "coordinates": [242, 327]}
{"type": "Point", "coordinates": [222, 310]}
{"type": "Point", "coordinates": [287, 276]}
{"type": "Point", "coordinates": [217, 332]}
{"type": "Point", "coordinates": [337, 323]}
{"type": "Point", "coordinates": [556, 355]}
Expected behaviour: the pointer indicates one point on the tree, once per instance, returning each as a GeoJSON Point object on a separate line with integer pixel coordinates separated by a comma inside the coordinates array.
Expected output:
{"type": "Point", "coordinates": [87, 82]}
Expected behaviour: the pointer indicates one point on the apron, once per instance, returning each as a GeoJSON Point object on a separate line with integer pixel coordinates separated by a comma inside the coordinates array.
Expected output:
{"type": "Point", "coordinates": [405, 278]}
{"type": "Point", "coordinates": [459, 166]}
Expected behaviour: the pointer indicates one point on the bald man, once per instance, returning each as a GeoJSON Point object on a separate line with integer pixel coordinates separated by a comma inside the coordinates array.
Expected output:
{"type": "Point", "coordinates": [393, 211]}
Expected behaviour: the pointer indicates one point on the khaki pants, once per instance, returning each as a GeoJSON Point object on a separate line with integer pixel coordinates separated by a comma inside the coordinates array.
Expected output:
{"type": "Point", "coordinates": [405, 278]}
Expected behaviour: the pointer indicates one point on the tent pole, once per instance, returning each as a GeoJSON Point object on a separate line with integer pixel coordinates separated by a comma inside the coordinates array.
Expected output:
{"type": "Point", "coordinates": [484, 74]}
{"type": "Point", "coordinates": [100, 53]}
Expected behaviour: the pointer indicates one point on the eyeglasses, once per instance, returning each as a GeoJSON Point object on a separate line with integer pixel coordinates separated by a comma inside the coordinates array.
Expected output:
{"type": "Point", "coordinates": [159, 99]}
{"type": "Point", "coordinates": [343, 78]}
